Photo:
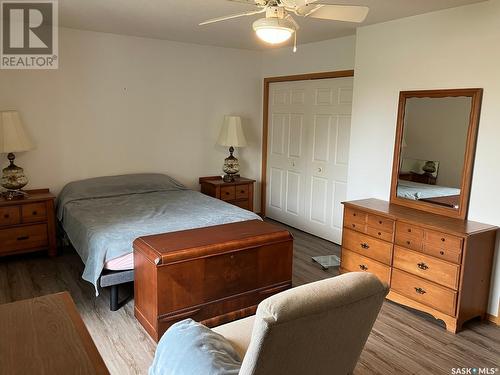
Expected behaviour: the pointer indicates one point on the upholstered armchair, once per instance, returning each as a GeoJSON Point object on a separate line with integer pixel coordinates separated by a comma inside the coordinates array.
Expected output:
{"type": "Point", "coordinates": [317, 328]}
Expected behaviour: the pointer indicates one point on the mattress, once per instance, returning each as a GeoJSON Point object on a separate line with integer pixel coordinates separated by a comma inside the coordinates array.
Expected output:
{"type": "Point", "coordinates": [415, 190]}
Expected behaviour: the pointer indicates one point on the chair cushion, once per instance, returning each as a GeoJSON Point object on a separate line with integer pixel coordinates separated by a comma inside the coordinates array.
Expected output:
{"type": "Point", "coordinates": [189, 348]}
{"type": "Point", "coordinates": [238, 333]}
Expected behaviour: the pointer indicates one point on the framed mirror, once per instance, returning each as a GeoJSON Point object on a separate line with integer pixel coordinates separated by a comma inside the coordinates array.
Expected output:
{"type": "Point", "coordinates": [434, 152]}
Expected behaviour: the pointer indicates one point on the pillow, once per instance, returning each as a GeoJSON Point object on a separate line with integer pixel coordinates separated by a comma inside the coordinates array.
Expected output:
{"type": "Point", "coordinates": [112, 186]}
{"type": "Point", "coordinates": [189, 348]}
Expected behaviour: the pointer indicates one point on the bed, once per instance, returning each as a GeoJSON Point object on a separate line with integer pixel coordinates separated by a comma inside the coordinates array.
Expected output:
{"type": "Point", "coordinates": [102, 216]}
{"type": "Point", "coordinates": [417, 190]}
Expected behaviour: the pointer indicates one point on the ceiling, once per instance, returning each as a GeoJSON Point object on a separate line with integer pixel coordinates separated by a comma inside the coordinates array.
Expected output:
{"type": "Point", "coordinates": [178, 19]}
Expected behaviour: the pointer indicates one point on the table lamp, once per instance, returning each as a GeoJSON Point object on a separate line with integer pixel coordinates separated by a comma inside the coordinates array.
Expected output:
{"type": "Point", "coordinates": [231, 135]}
{"type": "Point", "coordinates": [13, 138]}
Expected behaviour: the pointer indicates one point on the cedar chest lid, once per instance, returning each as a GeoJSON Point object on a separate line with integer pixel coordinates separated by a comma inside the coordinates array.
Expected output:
{"type": "Point", "coordinates": [207, 241]}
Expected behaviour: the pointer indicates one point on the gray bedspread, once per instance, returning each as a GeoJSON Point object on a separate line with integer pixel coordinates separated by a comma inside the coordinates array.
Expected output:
{"type": "Point", "coordinates": [103, 216]}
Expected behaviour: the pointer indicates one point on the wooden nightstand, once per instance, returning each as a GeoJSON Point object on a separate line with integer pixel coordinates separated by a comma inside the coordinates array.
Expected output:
{"type": "Point", "coordinates": [239, 192]}
{"type": "Point", "coordinates": [28, 224]}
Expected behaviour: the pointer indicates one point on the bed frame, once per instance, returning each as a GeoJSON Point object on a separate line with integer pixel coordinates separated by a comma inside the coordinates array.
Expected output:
{"type": "Point", "coordinates": [113, 280]}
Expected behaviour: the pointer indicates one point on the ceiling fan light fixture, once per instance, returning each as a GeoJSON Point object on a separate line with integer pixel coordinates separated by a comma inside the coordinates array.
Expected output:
{"type": "Point", "coordinates": [273, 30]}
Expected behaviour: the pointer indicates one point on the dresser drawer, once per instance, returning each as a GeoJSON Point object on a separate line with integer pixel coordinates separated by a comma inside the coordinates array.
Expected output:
{"type": "Point", "coordinates": [241, 191]}
{"type": "Point", "coordinates": [367, 246]}
{"type": "Point", "coordinates": [356, 263]}
{"type": "Point", "coordinates": [34, 212]}
{"type": "Point", "coordinates": [381, 223]}
{"type": "Point", "coordinates": [443, 241]}
{"type": "Point", "coordinates": [227, 193]}
{"type": "Point", "coordinates": [429, 268]}
{"type": "Point", "coordinates": [352, 215]}
{"type": "Point", "coordinates": [436, 251]}
{"type": "Point", "coordinates": [410, 242]}
{"type": "Point", "coordinates": [425, 292]}
{"type": "Point", "coordinates": [9, 215]}
{"type": "Point", "coordinates": [408, 230]}
{"type": "Point", "coordinates": [23, 238]}
{"type": "Point", "coordinates": [378, 233]}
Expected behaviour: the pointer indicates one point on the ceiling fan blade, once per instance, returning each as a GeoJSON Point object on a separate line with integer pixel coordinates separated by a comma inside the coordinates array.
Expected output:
{"type": "Point", "coordinates": [346, 13]}
{"type": "Point", "coordinates": [229, 17]}
{"type": "Point", "coordinates": [250, 2]}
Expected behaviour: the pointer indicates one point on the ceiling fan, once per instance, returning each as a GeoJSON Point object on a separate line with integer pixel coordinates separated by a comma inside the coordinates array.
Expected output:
{"type": "Point", "coordinates": [279, 25]}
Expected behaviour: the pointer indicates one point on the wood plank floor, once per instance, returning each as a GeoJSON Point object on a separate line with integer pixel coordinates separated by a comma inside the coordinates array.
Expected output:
{"type": "Point", "coordinates": [402, 341]}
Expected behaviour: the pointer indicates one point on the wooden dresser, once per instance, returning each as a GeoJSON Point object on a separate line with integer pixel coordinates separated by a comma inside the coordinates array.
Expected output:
{"type": "Point", "coordinates": [239, 192]}
{"type": "Point", "coordinates": [28, 224]}
{"type": "Point", "coordinates": [432, 263]}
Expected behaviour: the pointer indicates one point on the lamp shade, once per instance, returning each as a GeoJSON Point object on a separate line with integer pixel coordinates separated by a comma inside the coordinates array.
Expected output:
{"type": "Point", "coordinates": [231, 133]}
{"type": "Point", "coordinates": [13, 138]}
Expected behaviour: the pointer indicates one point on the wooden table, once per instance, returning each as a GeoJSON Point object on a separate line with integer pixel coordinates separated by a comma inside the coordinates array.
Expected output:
{"type": "Point", "coordinates": [46, 335]}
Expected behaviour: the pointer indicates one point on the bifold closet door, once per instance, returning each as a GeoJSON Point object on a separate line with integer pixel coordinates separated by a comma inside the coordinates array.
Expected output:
{"type": "Point", "coordinates": [308, 148]}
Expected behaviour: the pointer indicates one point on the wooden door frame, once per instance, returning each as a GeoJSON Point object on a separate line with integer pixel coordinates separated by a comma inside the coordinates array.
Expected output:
{"type": "Point", "coordinates": [265, 120]}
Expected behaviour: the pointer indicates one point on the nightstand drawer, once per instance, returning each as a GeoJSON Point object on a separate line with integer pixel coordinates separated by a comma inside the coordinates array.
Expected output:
{"type": "Point", "coordinates": [34, 212]}
{"type": "Point", "coordinates": [242, 204]}
{"type": "Point", "coordinates": [23, 238]}
{"type": "Point", "coordinates": [9, 215]}
{"type": "Point", "coordinates": [227, 193]}
{"type": "Point", "coordinates": [241, 191]}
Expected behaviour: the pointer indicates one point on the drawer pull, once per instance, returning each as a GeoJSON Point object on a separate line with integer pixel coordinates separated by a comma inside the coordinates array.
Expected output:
{"type": "Point", "coordinates": [365, 246]}
{"type": "Point", "coordinates": [443, 239]}
{"type": "Point", "coordinates": [242, 191]}
{"type": "Point", "coordinates": [380, 221]}
{"type": "Point", "coordinates": [354, 225]}
{"type": "Point", "coordinates": [6, 216]}
{"type": "Point", "coordinates": [420, 291]}
{"type": "Point", "coordinates": [422, 266]}
{"type": "Point", "coordinates": [441, 252]}
{"type": "Point", "coordinates": [363, 267]}
{"type": "Point", "coordinates": [408, 242]}
{"type": "Point", "coordinates": [409, 230]}
{"type": "Point", "coordinates": [354, 214]}
{"type": "Point", "coordinates": [23, 238]}
{"type": "Point", "coordinates": [379, 233]}
{"type": "Point", "coordinates": [34, 213]}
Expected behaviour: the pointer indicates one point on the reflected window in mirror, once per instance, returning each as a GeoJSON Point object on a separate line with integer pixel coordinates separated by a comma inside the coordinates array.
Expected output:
{"type": "Point", "coordinates": [434, 146]}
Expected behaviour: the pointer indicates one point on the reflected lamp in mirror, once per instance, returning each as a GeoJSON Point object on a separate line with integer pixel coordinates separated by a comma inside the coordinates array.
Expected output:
{"type": "Point", "coordinates": [434, 153]}
{"type": "Point", "coordinates": [13, 139]}
{"type": "Point", "coordinates": [231, 135]}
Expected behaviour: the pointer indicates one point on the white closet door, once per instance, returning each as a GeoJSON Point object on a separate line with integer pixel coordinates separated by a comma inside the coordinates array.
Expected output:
{"type": "Point", "coordinates": [308, 149]}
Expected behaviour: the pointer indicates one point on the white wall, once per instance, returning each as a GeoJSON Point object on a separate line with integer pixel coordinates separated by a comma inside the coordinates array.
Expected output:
{"type": "Point", "coordinates": [121, 104]}
{"type": "Point", "coordinates": [329, 55]}
{"type": "Point", "coordinates": [448, 49]}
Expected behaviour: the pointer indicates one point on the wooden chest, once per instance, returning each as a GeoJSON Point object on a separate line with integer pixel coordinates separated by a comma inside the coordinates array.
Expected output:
{"type": "Point", "coordinates": [213, 275]}
{"type": "Point", "coordinates": [433, 263]}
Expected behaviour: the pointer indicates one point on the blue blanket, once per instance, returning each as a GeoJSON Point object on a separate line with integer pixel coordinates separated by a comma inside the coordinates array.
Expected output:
{"type": "Point", "coordinates": [103, 216]}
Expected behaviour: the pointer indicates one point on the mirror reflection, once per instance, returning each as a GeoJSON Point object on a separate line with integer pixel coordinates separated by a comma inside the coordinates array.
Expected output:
{"type": "Point", "coordinates": [432, 149]}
